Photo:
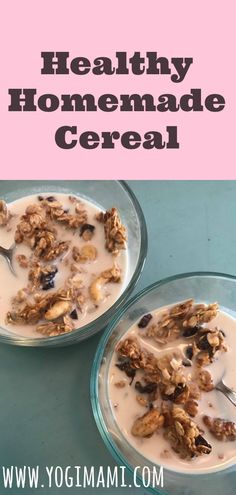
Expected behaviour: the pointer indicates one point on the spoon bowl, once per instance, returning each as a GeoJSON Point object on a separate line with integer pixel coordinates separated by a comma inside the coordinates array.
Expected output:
{"type": "Point", "coordinates": [8, 255]}
{"type": "Point", "coordinates": [228, 392]}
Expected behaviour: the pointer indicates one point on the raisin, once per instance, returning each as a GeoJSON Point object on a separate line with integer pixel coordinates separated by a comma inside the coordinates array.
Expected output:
{"type": "Point", "coordinates": [46, 279]}
{"type": "Point", "coordinates": [189, 352]}
{"type": "Point", "coordinates": [190, 332]}
{"type": "Point", "coordinates": [74, 315]}
{"type": "Point", "coordinates": [126, 366]}
{"type": "Point", "coordinates": [40, 198]}
{"type": "Point", "coordinates": [51, 199]}
{"type": "Point", "coordinates": [146, 389]}
{"type": "Point", "coordinates": [48, 284]}
{"type": "Point", "coordinates": [86, 226]}
{"type": "Point", "coordinates": [200, 441]}
{"type": "Point", "coordinates": [145, 320]}
{"type": "Point", "coordinates": [178, 391]}
{"type": "Point", "coordinates": [203, 343]}
{"type": "Point", "coordinates": [187, 362]}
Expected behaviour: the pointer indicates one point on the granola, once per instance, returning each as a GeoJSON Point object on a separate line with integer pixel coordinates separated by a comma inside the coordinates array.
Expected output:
{"type": "Point", "coordinates": [115, 232]}
{"type": "Point", "coordinates": [182, 319]}
{"type": "Point", "coordinates": [220, 428]}
{"type": "Point", "coordinates": [60, 240]}
{"type": "Point", "coordinates": [185, 436]}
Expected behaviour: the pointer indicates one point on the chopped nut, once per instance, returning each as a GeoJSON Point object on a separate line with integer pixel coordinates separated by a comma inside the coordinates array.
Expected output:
{"type": "Point", "coordinates": [111, 275]}
{"type": "Point", "coordinates": [191, 407]}
{"type": "Point", "coordinates": [86, 253]}
{"type": "Point", "coordinates": [147, 424]}
{"type": "Point", "coordinates": [87, 231]}
{"type": "Point", "coordinates": [58, 309]}
{"type": "Point", "coordinates": [141, 400]}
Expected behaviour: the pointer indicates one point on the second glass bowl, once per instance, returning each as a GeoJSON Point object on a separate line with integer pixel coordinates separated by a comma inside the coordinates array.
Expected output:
{"type": "Point", "coordinates": [202, 287]}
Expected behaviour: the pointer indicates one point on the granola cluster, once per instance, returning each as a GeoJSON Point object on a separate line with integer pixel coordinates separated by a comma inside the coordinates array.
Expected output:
{"type": "Point", "coordinates": [55, 312]}
{"type": "Point", "coordinates": [185, 436]}
{"type": "Point", "coordinates": [115, 232]}
{"type": "Point", "coordinates": [181, 319]}
{"type": "Point", "coordinates": [36, 229]}
{"type": "Point", "coordinates": [221, 429]}
{"type": "Point", "coordinates": [171, 385]}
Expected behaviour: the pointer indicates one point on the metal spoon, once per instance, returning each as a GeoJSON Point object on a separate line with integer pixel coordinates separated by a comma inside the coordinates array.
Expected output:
{"type": "Point", "coordinates": [8, 255]}
{"type": "Point", "coordinates": [228, 392]}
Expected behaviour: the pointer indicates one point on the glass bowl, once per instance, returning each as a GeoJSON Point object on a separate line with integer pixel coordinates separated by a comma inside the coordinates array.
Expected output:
{"type": "Point", "coordinates": [201, 286]}
{"type": "Point", "coordinates": [104, 194]}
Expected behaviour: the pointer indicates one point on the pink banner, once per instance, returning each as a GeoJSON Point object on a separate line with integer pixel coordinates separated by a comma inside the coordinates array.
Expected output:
{"type": "Point", "coordinates": [179, 54]}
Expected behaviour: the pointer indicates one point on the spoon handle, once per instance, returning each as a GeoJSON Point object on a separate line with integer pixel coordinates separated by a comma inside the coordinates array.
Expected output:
{"type": "Point", "coordinates": [230, 394]}
{"type": "Point", "coordinates": [4, 252]}
{"type": "Point", "coordinates": [7, 254]}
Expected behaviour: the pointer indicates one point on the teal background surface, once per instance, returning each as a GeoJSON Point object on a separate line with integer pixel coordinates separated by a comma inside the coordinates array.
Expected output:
{"type": "Point", "coordinates": [45, 412]}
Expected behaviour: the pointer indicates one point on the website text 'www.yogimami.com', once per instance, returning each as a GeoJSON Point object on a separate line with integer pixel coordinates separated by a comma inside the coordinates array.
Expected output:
{"type": "Point", "coordinates": [80, 477]}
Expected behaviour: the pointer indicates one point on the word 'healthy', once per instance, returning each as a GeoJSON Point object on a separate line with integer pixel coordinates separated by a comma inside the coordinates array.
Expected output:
{"type": "Point", "coordinates": [148, 64]}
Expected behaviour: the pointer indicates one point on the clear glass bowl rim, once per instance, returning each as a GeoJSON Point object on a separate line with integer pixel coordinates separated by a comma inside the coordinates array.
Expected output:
{"type": "Point", "coordinates": [98, 416]}
{"type": "Point", "coordinates": [72, 337]}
